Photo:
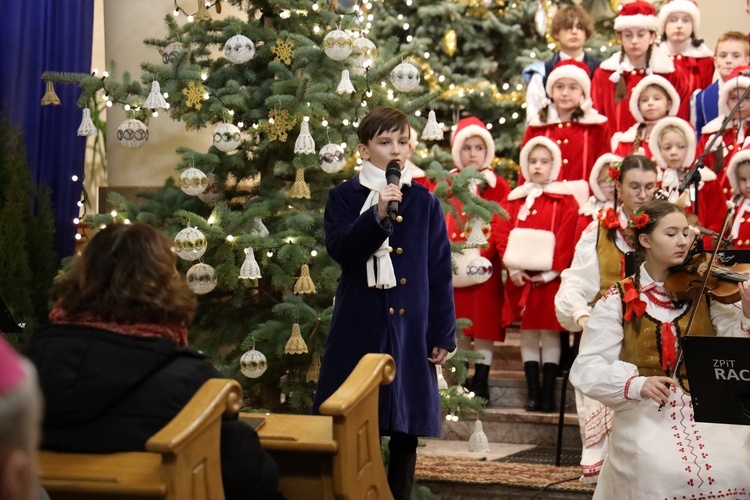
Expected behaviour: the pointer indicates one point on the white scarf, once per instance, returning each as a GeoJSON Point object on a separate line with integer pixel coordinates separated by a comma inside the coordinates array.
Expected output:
{"type": "Point", "coordinates": [533, 191]}
{"type": "Point", "coordinates": [373, 178]}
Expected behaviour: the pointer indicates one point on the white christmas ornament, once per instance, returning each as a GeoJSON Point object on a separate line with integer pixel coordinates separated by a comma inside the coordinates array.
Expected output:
{"type": "Point", "coordinates": [250, 269]}
{"type": "Point", "coordinates": [227, 137]}
{"type": "Point", "coordinates": [239, 49]}
{"type": "Point", "coordinates": [209, 194]}
{"type": "Point", "coordinates": [193, 181]}
{"type": "Point", "coordinates": [132, 133]}
{"type": "Point", "coordinates": [441, 382]}
{"type": "Point", "coordinates": [479, 269]}
{"type": "Point", "coordinates": [87, 126]}
{"type": "Point", "coordinates": [337, 45]}
{"type": "Point", "coordinates": [405, 77]}
{"type": "Point", "coordinates": [253, 363]}
{"type": "Point", "coordinates": [478, 442]}
{"type": "Point", "coordinates": [201, 278]}
{"type": "Point", "coordinates": [470, 268]}
{"type": "Point", "coordinates": [259, 229]}
{"type": "Point", "coordinates": [169, 52]}
{"type": "Point", "coordinates": [432, 130]}
{"type": "Point", "coordinates": [345, 86]}
{"type": "Point", "coordinates": [155, 99]}
{"type": "Point", "coordinates": [190, 243]}
{"type": "Point", "coordinates": [365, 54]}
{"type": "Point", "coordinates": [540, 19]}
{"type": "Point", "coordinates": [331, 158]}
{"type": "Point", "coordinates": [476, 234]}
{"type": "Point", "coordinates": [305, 144]}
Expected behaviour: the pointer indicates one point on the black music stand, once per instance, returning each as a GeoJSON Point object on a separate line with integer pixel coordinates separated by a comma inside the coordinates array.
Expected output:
{"type": "Point", "coordinates": [718, 369]}
{"type": "Point", "coordinates": [7, 323]}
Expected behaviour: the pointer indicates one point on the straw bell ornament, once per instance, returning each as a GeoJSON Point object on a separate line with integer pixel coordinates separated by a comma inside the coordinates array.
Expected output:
{"type": "Point", "coordinates": [331, 158]}
{"type": "Point", "coordinates": [239, 49]}
{"type": "Point", "coordinates": [305, 144]}
{"type": "Point", "coordinates": [345, 85]}
{"type": "Point", "coordinates": [227, 137]}
{"type": "Point", "coordinates": [201, 278]}
{"type": "Point", "coordinates": [364, 55]}
{"type": "Point", "coordinates": [304, 284]}
{"type": "Point", "coordinates": [50, 97]}
{"type": "Point", "coordinates": [478, 442]}
{"type": "Point", "coordinates": [190, 243]}
{"type": "Point", "coordinates": [87, 126]}
{"type": "Point", "coordinates": [313, 372]}
{"type": "Point", "coordinates": [405, 77]}
{"type": "Point", "coordinates": [337, 45]}
{"type": "Point", "coordinates": [432, 130]}
{"type": "Point", "coordinates": [155, 99]}
{"type": "Point", "coordinates": [193, 181]}
{"type": "Point", "coordinates": [132, 133]}
{"type": "Point", "coordinates": [300, 188]}
{"type": "Point", "coordinates": [250, 269]}
{"type": "Point", "coordinates": [295, 344]}
{"type": "Point", "coordinates": [253, 363]}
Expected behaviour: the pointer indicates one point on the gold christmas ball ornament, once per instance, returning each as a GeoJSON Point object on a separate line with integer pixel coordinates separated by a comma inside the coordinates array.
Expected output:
{"type": "Point", "coordinates": [239, 49]}
{"type": "Point", "coordinates": [253, 363]}
{"type": "Point", "coordinates": [227, 137]}
{"type": "Point", "coordinates": [337, 45]}
{"type": "Point", "coordinates": [450, 42]}
{"type": "Point", "coordinates": [190, 243]}
{"type": "Point", "coordinates": [201, 278]}
{"type": "Point", "coordinates": [132, 133]}
{"type": "Point", "coordinates": [193, 181]}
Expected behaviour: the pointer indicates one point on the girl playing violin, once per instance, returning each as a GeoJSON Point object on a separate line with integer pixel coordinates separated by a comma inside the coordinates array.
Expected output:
{"type": "Point", "coordinates": [625, 364]}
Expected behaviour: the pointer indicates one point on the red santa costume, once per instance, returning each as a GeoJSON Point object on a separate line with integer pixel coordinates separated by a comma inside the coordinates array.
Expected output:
{"type": "Point", "coordinates": [711, 203]}
{"type": "Point", "coordinates": [618, 66]}
{"type": "Point", "coordinates": [635, 139]}
{"type": "Point", "coordinates": [736, 134]}
{"type": "Point", "coordinates": [581, 140]}
{"type": "Point", "coordinates": [696, 62]}
{"type": "Point", "coordinates": [740, 232]}
{"type": "Point", "coordinates": [598, 201]}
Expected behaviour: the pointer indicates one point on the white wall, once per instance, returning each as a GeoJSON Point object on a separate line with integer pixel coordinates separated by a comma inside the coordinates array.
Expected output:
{"type": "Point", "coordinates": [719, 16]}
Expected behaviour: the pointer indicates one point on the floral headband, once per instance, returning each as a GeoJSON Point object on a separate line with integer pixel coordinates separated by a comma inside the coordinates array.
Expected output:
{"type": "Point", "coordinates": [639, 220]}
{"type": "Point", "coordinates": [614, 170]}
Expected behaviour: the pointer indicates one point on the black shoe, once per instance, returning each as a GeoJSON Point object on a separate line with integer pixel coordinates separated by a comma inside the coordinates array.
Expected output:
{"type": "Point", "coordinates": [549, 376]}
{"type": "Point", "coordinates": [480, 381]}
{"type": "Point", "coordinates": [534, 399]}
{"type": "Point", "coordinates": [401, 474]}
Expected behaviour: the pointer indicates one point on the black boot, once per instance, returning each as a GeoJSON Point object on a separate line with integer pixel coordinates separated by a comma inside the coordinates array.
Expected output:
{"type": "Point", "coordinates": [549, 375]}
{"type": "Point", "coordinates": [401, 474]}
{"type": "Point", "coordinates": [534, 400]}
{"type": "Point", "coordinates": [479, 383]}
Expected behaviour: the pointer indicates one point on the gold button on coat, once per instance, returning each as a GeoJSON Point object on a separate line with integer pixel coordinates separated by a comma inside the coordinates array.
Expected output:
{"type": "Point", "coordinates": [399, 250]}
{"type": "Point", "coordinates": [391, 310]}
{"type": "Point", "coordinates": [403, 281]}
{"type": "Point", "coordinates": [401, 312]}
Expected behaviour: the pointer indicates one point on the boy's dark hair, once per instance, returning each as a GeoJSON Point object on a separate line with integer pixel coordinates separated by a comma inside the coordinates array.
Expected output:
{"type": "Point", "coordinates": [382, 119]}
{"type": "Point", "coordinates": [566, 17]}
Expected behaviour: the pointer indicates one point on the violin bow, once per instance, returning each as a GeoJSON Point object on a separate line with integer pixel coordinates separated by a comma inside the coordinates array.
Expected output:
{"type": "Point", "coordinates": [678, 360]}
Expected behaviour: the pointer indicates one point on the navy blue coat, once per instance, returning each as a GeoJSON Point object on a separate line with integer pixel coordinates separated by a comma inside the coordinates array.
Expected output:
{"type": "Point", "coordinates": [406, 321]}
{"type": "Point", "coordinates": [706, 106]}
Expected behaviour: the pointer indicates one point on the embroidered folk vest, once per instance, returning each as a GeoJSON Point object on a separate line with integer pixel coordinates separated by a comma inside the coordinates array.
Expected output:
{"type": "Point", "coordinates": [611, 262]}
{"type": "Point", "coordinates": [643, 347]}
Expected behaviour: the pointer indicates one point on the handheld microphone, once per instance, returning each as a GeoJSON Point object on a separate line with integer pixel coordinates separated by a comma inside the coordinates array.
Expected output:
{"type": "Point", "coordinates": [392, 176]}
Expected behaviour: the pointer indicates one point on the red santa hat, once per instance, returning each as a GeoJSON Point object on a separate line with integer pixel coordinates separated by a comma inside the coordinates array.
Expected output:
{"type": "Point", "coordinates": [12, 373]}
{"type": "Point", "coordinates": [471, 127]}
{"type": "Point", "coordinates": [546, 143]}
{"type": "Point", "coordinates": [604, 161]}
{"type": "Point", "coordinates": [660, 81]}
{"type": "Point", "coordinates": [575, 70]}
{"type": "Point", "coordinates": [740, 156]}
{"type": "Point", "coordinates": [672, 122]}
{"type": "Point", "coordinates": [637, 15]}
{"type": "Point", "coordinates": [673, 6]}
{"type": "Point", "coordinates": [739, 78]}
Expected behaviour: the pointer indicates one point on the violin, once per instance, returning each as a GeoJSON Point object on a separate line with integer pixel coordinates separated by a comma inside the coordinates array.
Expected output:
{"type": "Point", "coordinates": [685, 281]}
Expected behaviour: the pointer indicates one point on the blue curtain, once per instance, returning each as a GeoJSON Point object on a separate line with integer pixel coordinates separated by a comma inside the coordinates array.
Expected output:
{"type": "Point", "coordinates": [39, 36]}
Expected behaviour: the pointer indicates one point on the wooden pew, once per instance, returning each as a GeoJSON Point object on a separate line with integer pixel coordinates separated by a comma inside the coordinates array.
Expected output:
{"type": "Point", "coordinates": [334, 455]}
{"type": "Point", "coordinates": [337, 454]}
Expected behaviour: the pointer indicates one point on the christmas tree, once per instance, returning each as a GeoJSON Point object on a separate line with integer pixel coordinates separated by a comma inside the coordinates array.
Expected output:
{"type": "Point", "coordinates": [283, 90]}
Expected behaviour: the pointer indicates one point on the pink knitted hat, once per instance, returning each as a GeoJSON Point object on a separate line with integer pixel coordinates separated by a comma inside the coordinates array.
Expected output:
{"type": "Point", "coordinates": [11, 368]}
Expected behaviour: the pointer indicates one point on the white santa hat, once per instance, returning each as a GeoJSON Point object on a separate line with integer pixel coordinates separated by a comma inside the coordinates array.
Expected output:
{"type": "Point", "coordinates": [740, 156]}
{"type": "Point", "coordinates": [604, 161]}
{"type": "Point", "coordinates": [465, 129]}
{"type": "Point", "coordinates": [673, 6]}
{"type": "Point", "coordinates": [575, 70]}
{"type": "Point", "coordinates": [637, 15]}
{"type": "Point", "coordinates": [659, 81]}
{"type": "Point", "coordinates": [739, 78]}
{"type": "Point", "coordinates": [687, 130]}
{"type": "Point", "coordinates": [546, 143]}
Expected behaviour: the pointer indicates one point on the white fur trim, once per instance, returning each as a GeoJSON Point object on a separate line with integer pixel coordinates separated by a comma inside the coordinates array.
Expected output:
{"type": "Point", "coordinates": [648, 22]}
{"type": "Point", "coordinates": [660, 63]}
{"type": "Point", "coordinates": [700, 52]}
{"type": "Point", "coordinates": [530, 249]}
{"type": "Point", "coordinates": [714, 125]}
{"type": "Point", "coordinates": [653, 80]}
{"type": "Point", "coordinates": [603, 161]}
{"type": "Point", "coordinates": [471, 131]}
{"type": "Point", "coordinates": [739, 82]}
{"type": "Point", "coordinates": [574, 73]}
{"type": "Point", "coordinates": [674, 6]}
{"type": "Point", "coordinates": [590, 117]}
{"type": "Point", "coordinates": [739, 157]}
{"type": "Point", "coordinates": [577, 189]}
{"type": "Point", "coordinates": [686, 129]}
{"type": "Point", "coordinates": [556, 187]}
{"type": "Point", "coordinates": [550, 145]}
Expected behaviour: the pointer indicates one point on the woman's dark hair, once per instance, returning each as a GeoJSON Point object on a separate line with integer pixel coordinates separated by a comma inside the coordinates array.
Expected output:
{"type": "Point", "coordinates": [694, 41]}
{"type": "Point", "coordinates": [575, 116]}
{"type": "Point", "coordinates": [127, 274]}
{"type": "Point", "coordinates": [631, 162]}
{"type": "Point", "coordinates": [621, 89]}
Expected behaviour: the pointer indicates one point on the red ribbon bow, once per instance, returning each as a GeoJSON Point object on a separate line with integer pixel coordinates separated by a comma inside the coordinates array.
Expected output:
{"type": "Point", "coordinates": [634, 304]}
{"type": "Point", "coordinates": [668, 350]}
